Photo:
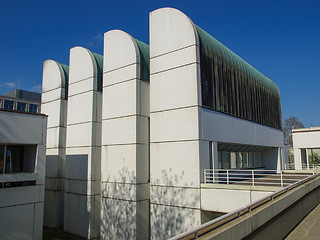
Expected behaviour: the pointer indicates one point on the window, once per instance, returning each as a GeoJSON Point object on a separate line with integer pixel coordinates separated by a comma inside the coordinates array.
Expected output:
{"type": "Point", "coordinates": [33, 108]}
{"type": "Point", "coordinates": [17, 158]}
{"type": "Point", "coordinates": [8, 104]}
{"type": "Point", "coordinates": [21, 106]}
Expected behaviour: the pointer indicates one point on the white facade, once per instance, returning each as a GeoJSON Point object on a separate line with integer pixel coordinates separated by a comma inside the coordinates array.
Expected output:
{"type": "Point", "coordinates": [135, 152]}
{"type": "Point", "coordinates": [306, 144]}
{"type": "Point", "coordinates": [22, 176]}
{"type": "Point", "coordinates": [125, 141]}
{"type": "Point", "coordinates": [183, 134]}
{"type": "Point", "coordinates": [82, 171]}
{"type": "Point", "coordinates": [54, 104]}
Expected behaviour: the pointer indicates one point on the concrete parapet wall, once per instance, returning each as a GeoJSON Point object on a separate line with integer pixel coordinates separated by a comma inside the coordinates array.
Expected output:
{"type": "Point", "coordinates": [274, 219]}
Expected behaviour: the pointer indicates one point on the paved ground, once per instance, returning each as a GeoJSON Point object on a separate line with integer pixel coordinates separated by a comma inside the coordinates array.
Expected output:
{"type": "Point", "coordinates": [308, 228]}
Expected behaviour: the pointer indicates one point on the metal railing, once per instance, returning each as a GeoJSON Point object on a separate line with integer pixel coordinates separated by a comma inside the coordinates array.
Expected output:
{"type": "Point", "coordinates": [215, 223]}
{"type": "Point", "coordinates": [304, 166]}
{"type": "Point", "coordinates": [250, 177]}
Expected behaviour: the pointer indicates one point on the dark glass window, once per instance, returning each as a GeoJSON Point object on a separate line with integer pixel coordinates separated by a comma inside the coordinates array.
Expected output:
{"type": "Point", "coordinates": [232, 86]}
{"type": "Point", "coordinates": [8, 104]}
{"type": "Point", "coordinates": [21, 106]}
{"type": "Point", "coordinates": [33, 108]}
{"type": "Point", "coordinates": [2, 158]}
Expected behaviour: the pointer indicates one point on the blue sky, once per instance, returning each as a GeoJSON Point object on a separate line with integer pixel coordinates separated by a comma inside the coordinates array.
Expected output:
{"type": "Point", "coordinates": [279, 38]}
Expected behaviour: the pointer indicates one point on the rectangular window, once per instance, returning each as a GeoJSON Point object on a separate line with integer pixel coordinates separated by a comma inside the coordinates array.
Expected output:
{"type": "Point", "coordinates": [8, 104]}
{"type": "Point", "coordinates": [33, 108]}
{"type": "Point", "coordinates": [21, 106]}
{"type": "Point", "coordinates": [17, 158]}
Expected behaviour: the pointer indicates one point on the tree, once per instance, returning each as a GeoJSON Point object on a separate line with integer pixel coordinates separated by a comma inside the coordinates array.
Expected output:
{"type": "Point", "coordinates": [289, 124]}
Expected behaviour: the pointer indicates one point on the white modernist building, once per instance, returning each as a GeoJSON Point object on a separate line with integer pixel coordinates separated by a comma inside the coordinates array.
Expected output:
{"type": "Point", "coordinates": [306, 147]}
{"type": "Point", "coordinates": [22, 174]}
{"type": "Point", "coordinates": [137, 130]}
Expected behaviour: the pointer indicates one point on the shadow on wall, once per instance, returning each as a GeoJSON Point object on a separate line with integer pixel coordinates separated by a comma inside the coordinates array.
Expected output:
{"type": "Point", "coordinates": [174, 210]}
{"type": "Point", "coordinates": [119, 210]}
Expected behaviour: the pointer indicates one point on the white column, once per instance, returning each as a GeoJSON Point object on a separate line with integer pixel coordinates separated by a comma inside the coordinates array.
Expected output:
{"type": "Point", "coordinates": [54, 104]}
{"type": "Point", "coordinates": [174, 124]}
{"type": "Point", "coordinates": [125, 138]}
{"type": "Point", "coordinates": [82, 183]}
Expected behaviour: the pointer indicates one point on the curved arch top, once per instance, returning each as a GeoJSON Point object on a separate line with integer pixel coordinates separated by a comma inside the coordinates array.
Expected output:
{"type": "Point", "coordinates": [85, 64]}
{"type": "Point", "coordinates": [170, 30]}
{"type": "Point", "coordinates": [121, 49]}
{"type": "Point", "coordinates": [55, 75]}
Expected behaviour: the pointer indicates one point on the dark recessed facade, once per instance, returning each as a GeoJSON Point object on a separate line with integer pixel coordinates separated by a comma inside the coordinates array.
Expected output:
{"type": "Point", "coordinates": [232, 86]}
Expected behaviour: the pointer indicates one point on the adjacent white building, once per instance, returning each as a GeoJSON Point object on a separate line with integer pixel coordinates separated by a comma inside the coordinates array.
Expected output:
{"type": "Point", "coordinates": [306, 147]}
{"type": "Point", "coordinates": [22, 174]}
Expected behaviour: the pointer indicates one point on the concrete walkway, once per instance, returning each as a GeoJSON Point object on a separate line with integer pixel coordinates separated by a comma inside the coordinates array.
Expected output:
{"type": "Point", "coordinates": [308, 228]}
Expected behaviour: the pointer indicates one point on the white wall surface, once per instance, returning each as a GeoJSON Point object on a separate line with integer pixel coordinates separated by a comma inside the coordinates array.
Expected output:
{"type": "Point", "coordinates": [125, 141]}
{"type": "Point", "coordinates": [54, 104]}
{"type": "Point", "coordinates": [21, 208]}
{"type": "Point", "coordinates": [83, 146]}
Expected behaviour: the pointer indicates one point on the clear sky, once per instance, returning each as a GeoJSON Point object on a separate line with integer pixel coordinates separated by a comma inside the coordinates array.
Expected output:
{"type": "Point", "coordinates": [279, 38]}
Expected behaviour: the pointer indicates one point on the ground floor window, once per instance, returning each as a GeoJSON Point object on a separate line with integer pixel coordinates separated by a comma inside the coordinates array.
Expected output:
{"type": "Point", "coordinates": [238, 160]}
{"type": "Point", "coordinates": [17, 158]}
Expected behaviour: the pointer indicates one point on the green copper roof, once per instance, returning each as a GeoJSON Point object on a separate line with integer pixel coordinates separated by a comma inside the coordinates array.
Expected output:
{"type": "Point", "coordinates": [65, 69]}
{"type": "Point", "coordinates": [144, 60]}
{"type": "Point", "coordinates": [99, 61]}
{"type": "Point", "coordinates": [214, 47]}
{"type": "Point", "coordinates": [232, 86]}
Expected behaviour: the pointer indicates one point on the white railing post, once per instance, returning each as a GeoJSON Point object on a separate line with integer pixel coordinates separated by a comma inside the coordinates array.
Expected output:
{"type": "Point", "coordinates": [253, 177]}
{"type": "Point", "coordinates": [227, 176]}
{"type": "Point", "coordinates": [281, 179]}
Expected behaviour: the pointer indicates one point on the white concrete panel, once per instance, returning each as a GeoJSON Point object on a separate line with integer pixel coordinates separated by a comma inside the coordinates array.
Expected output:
{"type": "Point", "coordinates": [174, 89]}
{"type": "Point", "coordinates": [81, 108]}
{"type": "Point", "coordinates": [176, 59]}
{"type": "Point", "coordinates": [125, 130]}
{"type": "Point", "coordinates": [120, 99]}
{"type": "Point", "coordinates": [77, 166]}
{"type": "Point", "coordinates": [82, 86]}
{"type": "Point", "coordinates": [53, 76]}
{"type": "Point", "coordinates": [80, 135]}
{"type": "Point", "coordinates": [83, 187]}
{"type": "Point", "coordinates": [17, 222]}
{"type": "Point", "coordinates": [170, 30]}
{"type": "Point", "coordinates": [114, 226]}
{"type": "Point", "coordinates": [41, 164]}
{"type": "Point", "coordinates": [55, 111]}
{"type": "Point", "coordinates": [224, 128]}
{"type": "Point", "coordinates": [175, 196]}
{"type": "Point", "coordinates": [125, 163]}
{"type": "Point", "coordinates": [120, 75]}
{"type": "Point", "coordinates": [308, 139]}
{"type": "Point", "coordinates": [54, 184]}
{"type": "Point", "coordinates": [174, 125]}
{"type": "Point", "coordinates": [171, 221]}
{"type": "Point", "coordinates": [53, 215]}
{"type": "Point", "coordinates": [82, 65]}
{"type": "Point", "coordinates": [14, 128]}
{"type": "Point", "coordinates": [125, 191]}
{"type": "Point", "coordinates": [120, 50]}
{"type": "Point", "coordinates": [175, 164]}
{"type": "Point", "coordinates": [53, 137]}
{"type": "Point", "coordinates": [52, 95]}
{"type": "Point", "coordinates": [38, 221]}
{"type": "Point", "coordinates": [222, 200]}
{"type": "Point", "coordinates": [20, 195]}
{"type": "Point", "coordinates": [83, 223]}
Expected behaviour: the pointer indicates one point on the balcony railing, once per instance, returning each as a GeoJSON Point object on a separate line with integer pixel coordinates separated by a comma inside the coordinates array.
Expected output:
{"type": "Point", "coordinates": [251, 177]}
